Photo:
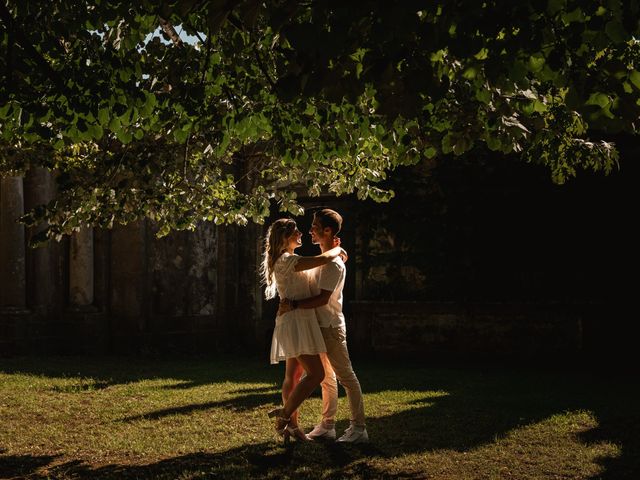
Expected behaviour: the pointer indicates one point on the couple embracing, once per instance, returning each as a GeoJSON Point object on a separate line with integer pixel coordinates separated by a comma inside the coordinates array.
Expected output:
{"type": "Point", "coordinates": [310, 331]}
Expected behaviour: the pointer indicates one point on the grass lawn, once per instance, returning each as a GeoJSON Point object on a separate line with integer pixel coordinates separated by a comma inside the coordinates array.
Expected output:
{"type": "Point", "coordinates": [76, 418]}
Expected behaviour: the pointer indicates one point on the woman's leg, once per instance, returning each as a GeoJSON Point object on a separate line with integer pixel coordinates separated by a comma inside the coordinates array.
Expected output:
{"type": "Point", "coordinates": [292, 374]}
{"type": "Point", "coordinates": [315, 373]}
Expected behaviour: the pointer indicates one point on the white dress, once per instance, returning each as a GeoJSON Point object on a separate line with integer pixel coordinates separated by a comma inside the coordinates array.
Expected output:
{"type": "Point", "coordinates": [296, 332]}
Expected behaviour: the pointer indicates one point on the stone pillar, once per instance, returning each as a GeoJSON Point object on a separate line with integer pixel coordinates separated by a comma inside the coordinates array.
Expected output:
{"type": "Point", "coordinates": [222, 261]}
{"type": "Point", "coordinates": [12, 244]}
{"type": "Point", "coordinates": [249, 291]}
{"type": "Point", "coordinates": [229, 310]}
{"type": "Point", "coordinates": [81, 268]}
{"type": "Point", "coordinates": [41, 273]}
{"type": "Point", "coordinates": [87, 327]}
{"type": "Point", "coordinates": [128, 286]}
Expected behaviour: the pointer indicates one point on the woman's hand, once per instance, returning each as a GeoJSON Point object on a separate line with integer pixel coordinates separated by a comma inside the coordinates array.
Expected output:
{"type": "Point", "coordinates": [343, 253]}
{"type": "Point", "coordinates": [284, 306]}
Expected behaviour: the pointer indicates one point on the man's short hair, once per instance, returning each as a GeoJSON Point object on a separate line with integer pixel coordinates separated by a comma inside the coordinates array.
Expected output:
{"type": "Point", "coordinates": [329, 219]}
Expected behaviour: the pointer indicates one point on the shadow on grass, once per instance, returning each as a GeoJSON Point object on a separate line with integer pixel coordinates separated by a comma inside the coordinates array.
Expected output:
{"type": "Point", "coordinates": [256, 390]}
{"type": "Point", "coordinates": [22, 466]}
{"type": "Point", "coordinates": [618, 423]}
{"type": "Point", "coordinates": [237, 404]}
{"type": "Point", "coordinates": [481, 404]}
{"type": "Point", "coordinates": [477, 406]}
{"type": "Point", "coordinates": [258, 461]}
{"type": "Point", "coordinates": [102, 372]}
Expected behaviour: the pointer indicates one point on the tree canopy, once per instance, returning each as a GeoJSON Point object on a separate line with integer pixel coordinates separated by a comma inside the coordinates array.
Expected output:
{"type": "Point", "coordinates": [275, 98]}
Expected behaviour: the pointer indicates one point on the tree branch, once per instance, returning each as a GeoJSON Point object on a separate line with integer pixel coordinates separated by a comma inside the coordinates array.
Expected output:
{"type": "Point", "coordinates": [263, 68]}
{"type": "Point", "coordinates": [207, 58]}
{"type": "Point", "coordinates": [170, 32]}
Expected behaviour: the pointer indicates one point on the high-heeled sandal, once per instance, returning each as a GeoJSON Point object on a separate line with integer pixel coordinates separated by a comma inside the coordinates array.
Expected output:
{"type": "Point", "coordinates": [297, 433]}
{"type": "Point", "coordinates": [281, 421]}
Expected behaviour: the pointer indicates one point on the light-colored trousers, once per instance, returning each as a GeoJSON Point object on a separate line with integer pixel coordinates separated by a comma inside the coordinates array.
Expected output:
{"type": "Point", "coordinates": [337, 364]}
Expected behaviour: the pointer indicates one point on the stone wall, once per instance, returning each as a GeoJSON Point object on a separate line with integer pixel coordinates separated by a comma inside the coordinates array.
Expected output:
{"type": "Point", "coordinates": [483, 260]}
{"type": "Point", "coordinates": [124, 290]}
{"type": "Point", "coordinates": [432, 329]}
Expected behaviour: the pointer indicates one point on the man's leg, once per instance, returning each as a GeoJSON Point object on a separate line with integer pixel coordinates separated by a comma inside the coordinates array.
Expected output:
{"type": "Point", "coordinates": [338, 355]}
{"type": "Point", "coordinates": [329, 392]}
{"type": "Point", "coordinates": [326, 429]}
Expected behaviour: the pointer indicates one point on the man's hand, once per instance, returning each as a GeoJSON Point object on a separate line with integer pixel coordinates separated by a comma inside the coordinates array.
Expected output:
{"type": "Point", "coordinates": [284, 306]}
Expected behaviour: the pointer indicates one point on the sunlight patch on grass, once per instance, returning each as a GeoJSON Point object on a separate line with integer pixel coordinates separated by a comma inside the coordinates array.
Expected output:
{"type": "Point", "coordinates": [202, 419]}
{"type": "Point", "coordinates": [394, 401]}
{"type": "Point", "coordinates": [547, 449]}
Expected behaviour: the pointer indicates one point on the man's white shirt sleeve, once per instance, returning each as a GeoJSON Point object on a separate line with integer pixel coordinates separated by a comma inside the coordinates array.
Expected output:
{"type": "Point", "coordinates": [330, 276]}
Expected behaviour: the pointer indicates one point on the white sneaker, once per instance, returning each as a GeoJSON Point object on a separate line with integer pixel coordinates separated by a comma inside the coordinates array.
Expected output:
{"type": "Point", "coordinates": [355, 434]}
{"type": "Point", "coordinates": [321, 432]}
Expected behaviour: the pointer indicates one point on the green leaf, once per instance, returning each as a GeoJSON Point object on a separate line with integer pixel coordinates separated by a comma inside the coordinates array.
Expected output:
{"type": "Point", "coordinates": [484, 95]}
{"type": "Point", "coordinates": [430, 152]}
{"type": "Point", "coordinates": [462, 145]}
{"type": "Point", "coordinates": [181, 134]}
{"type": "Point", "coordinates": [470, 73]}
{"type": "Point", "coordinates": [539, 106]}
{"type": "Point", "coordinates": [554, 6]}
{"type": "Point", "coordinates": [573, 16]}
{"type": "Point", "coordinates": [615, 31]}
{"type": "Point", "coordinates": [494, 143]}
{"type": "Point", "coordinates": [125, 118]}
{"type": "Point", "coordinates": [163, 231]}
{"type": "Point", "coordinates": [96, 131]}
{"type": "Point", "coordinates": [124, 136]}
{"type": "Point", "coordinates": [6, 110]}
{"type": "Point", "coordinates": [634, 77]}
{"type": "Point", "coordinates": [103, 116]}
{"type": "Point", "coordinates": [600, 99]}
{"type": "Point", "coordinates": [536, 62]}
{"type": "Point", "coordinates": [149, 104]}
{"type": "Point", "coordinates": [114, 125]}
{"type": "Point", "coordinates": [447, 143]}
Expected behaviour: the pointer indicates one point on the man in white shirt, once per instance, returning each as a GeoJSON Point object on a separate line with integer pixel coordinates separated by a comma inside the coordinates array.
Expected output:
{"type": "Point", "coordinates": [327, 283]}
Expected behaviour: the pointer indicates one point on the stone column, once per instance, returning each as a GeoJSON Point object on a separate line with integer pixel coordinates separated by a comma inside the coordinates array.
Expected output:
{"type": "Point", "coordinates": [221, 279]}
{"type": "Point", "coordinates": [39, 188]}
{"type": "Point", "coordinates": [128, 286]}
{"type": "Point", "coordinates": [227, 281]}
{"type": "Point", "coordinates": [81, 268]}
{"type": "Point", "coordinates": [12, 244]}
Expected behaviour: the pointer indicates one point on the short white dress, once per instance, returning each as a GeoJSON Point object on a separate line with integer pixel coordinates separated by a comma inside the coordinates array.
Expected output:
{"type": "Point", "coordinates": [297, 332]}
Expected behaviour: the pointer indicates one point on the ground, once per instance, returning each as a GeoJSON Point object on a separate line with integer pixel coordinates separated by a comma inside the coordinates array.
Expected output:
{"type": "Point", "coordinates": [77, 417]}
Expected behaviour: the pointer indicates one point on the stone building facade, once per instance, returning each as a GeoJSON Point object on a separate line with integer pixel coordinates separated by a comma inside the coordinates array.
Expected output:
{"type": "Point", "coordinates": [492, 261]}
{"type": "Point", "coordinates": [124, 290]}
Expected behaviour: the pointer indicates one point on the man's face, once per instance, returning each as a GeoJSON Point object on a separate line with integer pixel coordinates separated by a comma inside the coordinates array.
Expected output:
{"type": "Point", "coordinates": [316, 231]}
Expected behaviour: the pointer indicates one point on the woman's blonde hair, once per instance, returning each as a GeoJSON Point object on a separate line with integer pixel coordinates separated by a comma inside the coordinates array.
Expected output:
{"type": "Point", "coordinates": [275, 244]}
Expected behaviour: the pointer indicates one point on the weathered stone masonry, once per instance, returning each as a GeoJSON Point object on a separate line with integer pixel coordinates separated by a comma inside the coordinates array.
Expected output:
{"type": "Point", "coordinates": [124, 290]}
{"type": "Point", "coordinates": [466, 276]}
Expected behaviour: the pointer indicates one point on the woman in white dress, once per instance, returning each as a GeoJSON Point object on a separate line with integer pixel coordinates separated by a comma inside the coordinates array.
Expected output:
{"type": "Point", "coordinates": [296, 337]}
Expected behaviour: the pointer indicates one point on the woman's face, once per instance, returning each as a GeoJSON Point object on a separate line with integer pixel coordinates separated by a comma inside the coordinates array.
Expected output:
{"type": "Point", "coordinates": [295, 239]}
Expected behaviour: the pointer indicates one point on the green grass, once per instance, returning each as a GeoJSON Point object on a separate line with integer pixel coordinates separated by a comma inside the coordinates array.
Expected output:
{"type": "Point", "coordinates": [76, 418]}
